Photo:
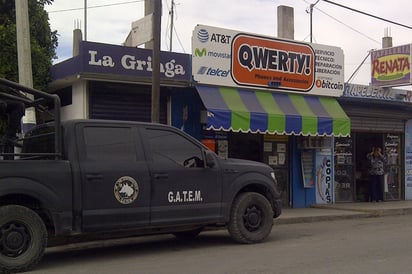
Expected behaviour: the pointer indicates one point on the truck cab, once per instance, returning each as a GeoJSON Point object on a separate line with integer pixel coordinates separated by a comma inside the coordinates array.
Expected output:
{"type": "Point", "coordinates": [85, 177]}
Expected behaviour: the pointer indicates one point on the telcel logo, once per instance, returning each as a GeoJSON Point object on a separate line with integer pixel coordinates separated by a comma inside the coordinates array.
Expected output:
{"type": "Point", "coordinates": [213, 71]}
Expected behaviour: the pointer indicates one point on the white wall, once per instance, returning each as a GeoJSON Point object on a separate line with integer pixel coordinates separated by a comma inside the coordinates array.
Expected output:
{"type": "Point", "coordinates": [79, 107]}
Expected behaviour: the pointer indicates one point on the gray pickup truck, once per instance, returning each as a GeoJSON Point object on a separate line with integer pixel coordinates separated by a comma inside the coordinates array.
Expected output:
{"type": "Point", "coordinates": [88, 177]}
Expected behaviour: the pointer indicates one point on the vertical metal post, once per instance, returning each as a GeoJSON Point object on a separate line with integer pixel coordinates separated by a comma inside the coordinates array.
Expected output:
{"type": "Point", "coordinates": [85, 20]}
{"type": "Point", "coordinates": [311, 11]}
{"type": "Point", "coordinates": [157, 15]}
{"type": "Point", "coordinates": [171, 24]}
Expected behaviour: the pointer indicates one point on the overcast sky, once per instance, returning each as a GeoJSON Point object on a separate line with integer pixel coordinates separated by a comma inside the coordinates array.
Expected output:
{"type": "Point", "coordinates": [109, 21]}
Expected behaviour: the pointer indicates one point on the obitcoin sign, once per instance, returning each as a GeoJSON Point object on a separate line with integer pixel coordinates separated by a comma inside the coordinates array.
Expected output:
{"type": "Point", "coordinates": [259, 61]}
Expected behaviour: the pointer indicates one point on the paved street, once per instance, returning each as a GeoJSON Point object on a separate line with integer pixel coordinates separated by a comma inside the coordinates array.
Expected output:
{"type": "Point", "coordinates": [360, 245]}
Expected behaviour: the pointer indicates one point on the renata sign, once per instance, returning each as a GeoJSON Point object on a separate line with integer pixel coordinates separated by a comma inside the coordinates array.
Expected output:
{"type": "Point", "coordinates": [258, 61]}
{"type": "Point", "coordinates": [235, 59]}
{"type": "Point", "coordinates": [391, 66]}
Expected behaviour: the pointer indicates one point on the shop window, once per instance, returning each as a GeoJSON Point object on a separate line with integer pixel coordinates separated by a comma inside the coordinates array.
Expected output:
{"type": "Point", "coordinates": [392, 173]}
{"type": "Point", "coordinates": [245, 146]}
{"type": "Point", "coordinates": [344, 184]}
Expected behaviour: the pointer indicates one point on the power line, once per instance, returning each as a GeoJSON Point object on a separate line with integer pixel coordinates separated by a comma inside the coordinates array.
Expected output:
{"type": "Point", "coordinates": [178, 39]}
{"type": "Point", "coordinates": [173, 27]}
{"type": "Point", "coordinates": [357, 69]}
{"type": "Point", "coordinates": [346, 25]}
{"type": "Point", "coordinates": [340, 22]}
{"type": "Point", "coordinates": [368, 14]}
{"type": "Point", "coordinates": [99, 6]}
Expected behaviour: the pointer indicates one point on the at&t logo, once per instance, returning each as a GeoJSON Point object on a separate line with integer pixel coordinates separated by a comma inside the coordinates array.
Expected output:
{"type": "Point", "coordinates": [203, 35]}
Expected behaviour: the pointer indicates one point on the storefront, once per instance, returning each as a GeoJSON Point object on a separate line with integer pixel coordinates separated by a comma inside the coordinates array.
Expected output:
{"type": "Point", "coordinates": [260, 100]}
{"type": "Point", "coordinates": [281, 115]}
{"type": "Point", "coordinates": [114, 82]}
{"type": "Point", "coordinates": [379, 118]}
{"type": "Point", "coordinates": [291, 133]}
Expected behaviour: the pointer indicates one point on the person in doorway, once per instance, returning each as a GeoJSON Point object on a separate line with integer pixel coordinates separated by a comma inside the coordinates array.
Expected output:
{"type": "Point", "coordinates": [377, 162]}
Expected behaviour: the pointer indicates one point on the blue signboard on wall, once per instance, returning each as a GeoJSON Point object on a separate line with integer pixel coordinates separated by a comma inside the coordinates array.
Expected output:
{"type": "Point", "coordinates": [124, 61]}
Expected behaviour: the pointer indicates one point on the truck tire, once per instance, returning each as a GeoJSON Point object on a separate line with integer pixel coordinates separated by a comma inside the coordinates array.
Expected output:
{"type": "Point", "coordinates": [251, 218]}
{"type": "Point", "coordinates": [23, 238]}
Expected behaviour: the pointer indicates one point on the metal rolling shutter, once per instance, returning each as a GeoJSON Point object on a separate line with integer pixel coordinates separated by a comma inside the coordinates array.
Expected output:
{"type": "Point", "coordinates": [377, 124]}
{"type": "Point", "coordinates": [112, 101]}
{"type": "Point", "coordinates": [375, 116]}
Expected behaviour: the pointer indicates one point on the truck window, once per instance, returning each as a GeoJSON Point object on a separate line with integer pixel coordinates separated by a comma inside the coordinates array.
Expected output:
{"type": "Point", "coordinates": [39, 140]}
{"type": "Point", "coordinates": [167, 144]}
{"type": "Point", "coordinates": [109, 143]}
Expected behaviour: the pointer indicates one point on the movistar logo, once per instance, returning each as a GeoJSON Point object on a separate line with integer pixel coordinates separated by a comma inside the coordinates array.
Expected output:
{"type": "Point", "coordinates": [203, 52]}
{"type": "Point", "coordinates": [200, 52]}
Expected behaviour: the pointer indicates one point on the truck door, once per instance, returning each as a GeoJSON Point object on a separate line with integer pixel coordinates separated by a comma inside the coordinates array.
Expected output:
{"type": "Point", "coordinates": [114, 175]}
{"type": "Point", "coordinates": [183, 188]}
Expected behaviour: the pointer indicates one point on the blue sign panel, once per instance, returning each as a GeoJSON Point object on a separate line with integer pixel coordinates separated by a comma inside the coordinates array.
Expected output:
{"type": "Point", "coordinates": [126, 61]}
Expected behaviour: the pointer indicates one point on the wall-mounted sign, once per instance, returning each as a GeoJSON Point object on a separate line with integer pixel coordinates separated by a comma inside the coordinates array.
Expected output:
{"type": "Point", "coordinates": [232, 58]}
{"type": "Point", "coordinates": [391, 66]}
{"type": "Point", "coordinates": [258, 61]}
{"type": "Point", "coordinates": [379, 93]}
{"type": "Point", "coordinates": [123, 61]}
{"type": "Point", "coordinates": [324, 177]}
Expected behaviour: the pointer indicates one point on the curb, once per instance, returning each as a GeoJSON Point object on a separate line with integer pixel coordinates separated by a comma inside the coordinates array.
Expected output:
{"type": "Point", "coordinates": [313, 219]}
{"type": "Point", "coordinates": [332, 213]}
{"type": "Point", "coordinates": [376, 212]}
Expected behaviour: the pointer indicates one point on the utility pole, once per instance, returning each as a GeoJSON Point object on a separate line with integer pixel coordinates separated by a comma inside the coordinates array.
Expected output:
{"type": "Point", "coordinates": [24, 58]}
{"type": "Point", "coordinates": [85, 20]}
{"type": "Point", "coordinates": [157, 15]}
{"type": "Point", "coordinates": [310, 12]}
{"type": "Point", "coordinates": [171, 24]}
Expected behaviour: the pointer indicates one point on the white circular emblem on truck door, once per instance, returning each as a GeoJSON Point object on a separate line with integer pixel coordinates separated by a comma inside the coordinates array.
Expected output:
{"type": "Point", "coordinates": [126, 190]}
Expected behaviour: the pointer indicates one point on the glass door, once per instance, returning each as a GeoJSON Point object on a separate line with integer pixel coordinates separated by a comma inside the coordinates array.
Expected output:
{"type": "Point", "coordinates": [392, 149]}
{"type": "Point", "coordinates": [344, 183]}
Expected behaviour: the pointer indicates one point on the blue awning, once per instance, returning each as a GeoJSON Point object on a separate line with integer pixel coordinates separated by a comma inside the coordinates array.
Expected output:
{"type": "Point", "coordinates": [259, 111]}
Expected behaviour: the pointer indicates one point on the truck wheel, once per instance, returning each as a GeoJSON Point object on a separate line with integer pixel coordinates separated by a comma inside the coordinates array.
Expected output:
{"type": "Point", "coordinates": [23, 238]}
{"type": "Point", "coordinates": [251, 218]}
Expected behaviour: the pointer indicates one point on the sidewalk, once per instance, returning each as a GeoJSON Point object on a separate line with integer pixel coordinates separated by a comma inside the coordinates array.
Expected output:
{"type": "Point", "coordinates": [343, 211]}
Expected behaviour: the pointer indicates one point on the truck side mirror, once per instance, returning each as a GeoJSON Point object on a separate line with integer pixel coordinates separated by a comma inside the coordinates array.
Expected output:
{"type": "Point", "coordinates": [210, 159]}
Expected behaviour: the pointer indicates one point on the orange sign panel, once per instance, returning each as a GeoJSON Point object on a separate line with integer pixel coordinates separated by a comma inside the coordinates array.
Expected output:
{"type": "Point", "coordinates": [272, 63]}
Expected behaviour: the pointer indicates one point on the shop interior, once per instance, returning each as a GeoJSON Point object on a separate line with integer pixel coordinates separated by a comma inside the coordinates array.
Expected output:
{"type": "Point", "coordinates": [270, 149]}
{"type": "Point", "coordinates": [352, 166]}
{"type": "Point", "coordinates": [364, 144]}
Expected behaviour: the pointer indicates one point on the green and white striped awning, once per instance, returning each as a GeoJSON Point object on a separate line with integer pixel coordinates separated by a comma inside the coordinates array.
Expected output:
{"type": "Point", "coordinates": [258, 111]}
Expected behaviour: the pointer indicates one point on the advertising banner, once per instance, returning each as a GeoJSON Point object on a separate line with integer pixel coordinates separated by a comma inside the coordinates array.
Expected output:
{"type": "Point", "coordinates": [257, 61]}
{"type": "Point", "coordinates": [391, 66]}
{"type": "Point", "coordinates": [324, 176]}
{"type": "Point", "coordinates": [235, 59]}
